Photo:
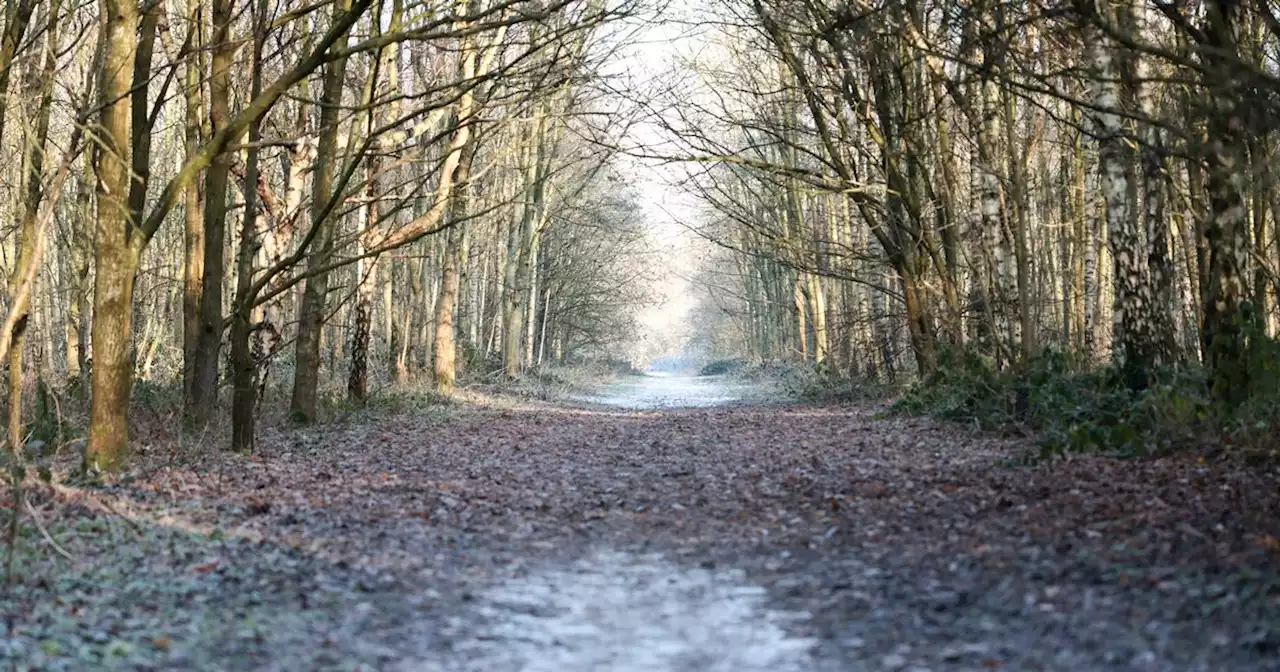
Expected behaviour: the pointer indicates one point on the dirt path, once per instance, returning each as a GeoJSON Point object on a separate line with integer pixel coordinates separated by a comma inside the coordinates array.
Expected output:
{"type": "Point", "coordinates": [710, 538]}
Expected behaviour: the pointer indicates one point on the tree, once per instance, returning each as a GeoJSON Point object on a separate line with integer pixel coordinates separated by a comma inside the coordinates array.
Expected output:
{"type": "Point", "coordinates": [874, 104]}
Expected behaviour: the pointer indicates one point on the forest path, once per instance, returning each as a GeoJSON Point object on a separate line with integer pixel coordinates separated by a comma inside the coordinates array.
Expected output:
{"type": "Point", "coordinates": [740, 537]}
{"type": "Point", "coordinates": [634, 611]}
{"type": "Point", "coordinates": [662, 391]}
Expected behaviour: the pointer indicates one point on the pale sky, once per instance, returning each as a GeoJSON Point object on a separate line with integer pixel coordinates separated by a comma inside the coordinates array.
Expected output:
{"type": "Point", "coordinates": [653, 58]}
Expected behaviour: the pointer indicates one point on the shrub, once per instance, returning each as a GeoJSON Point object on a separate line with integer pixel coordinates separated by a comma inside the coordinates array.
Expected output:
{"type": "Point", "coordinates": [1070, 408]}
{"type": "Point", "coordinates": [721, 367]}
{"type": "Point", "coordinates": [819, 384]}
{"type": "Point", "coordinates": [48, 426]}
{"type": "Point", "coordinates": [474, 363]}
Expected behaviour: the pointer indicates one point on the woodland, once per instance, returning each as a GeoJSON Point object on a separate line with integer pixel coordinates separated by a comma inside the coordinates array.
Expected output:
{"type": "Point", "coordinates": [308, 309]}
{"type": "Point", "coordinates": [421, 180]}
{"type": "Point", "coordinates": [1018, 204]}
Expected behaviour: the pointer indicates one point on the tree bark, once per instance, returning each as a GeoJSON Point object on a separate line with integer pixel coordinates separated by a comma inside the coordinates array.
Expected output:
{"type": "Point", "coordinates": [1227, 315]}
{"type": "Point", "coordinates": [311, 311]}
{"type": "Point", "coordinates": [367, 268]}
{"type": "Point", "coordinates": [446, 304]}
{"type": "Point", "coordinates": [1115, 89]}
{"type": "Point", "coordinates": [116, 260]}
{"type": "Point", "coordinates": [244, 369]}
{"type": "Point", "coordinates": [42, 81]}
{"type": "Point", "coordinates": [204, 385]}
{"type": "Point", "coordinates": [193, 207]}
{"type": "Point", "coordinates": [17, 16]}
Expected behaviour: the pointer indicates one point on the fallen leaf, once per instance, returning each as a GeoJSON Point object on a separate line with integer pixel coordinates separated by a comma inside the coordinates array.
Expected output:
{"type": "Point", "coordinates": [205, 568]}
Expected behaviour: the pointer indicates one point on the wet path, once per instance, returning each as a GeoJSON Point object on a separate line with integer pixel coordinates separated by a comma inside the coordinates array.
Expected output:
{"type": "Point", "coordinates": [654, 391]}
{"type": "Point", "coordinates": [630, 612]}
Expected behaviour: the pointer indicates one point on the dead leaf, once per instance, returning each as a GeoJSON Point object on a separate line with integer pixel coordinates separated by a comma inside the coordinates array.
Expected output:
{"type": "Point", "coordinates": [205, 568]}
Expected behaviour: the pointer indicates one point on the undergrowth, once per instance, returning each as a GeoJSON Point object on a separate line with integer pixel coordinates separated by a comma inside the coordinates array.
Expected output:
{"type": "Point", "coordinates": [394, 401]}
{"type": "Point", "coordinates": [552, 381]}
{"type": "Point", "coordinates": [803, 380]}
{"type": "Point", "coordinates": [722, 367]}
{"type": "Point", "coordinates": [1072, 408]}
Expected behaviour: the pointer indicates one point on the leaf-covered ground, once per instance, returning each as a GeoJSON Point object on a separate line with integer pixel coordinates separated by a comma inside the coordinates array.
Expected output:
{"type": "Point", "coordinates": [749, 537]}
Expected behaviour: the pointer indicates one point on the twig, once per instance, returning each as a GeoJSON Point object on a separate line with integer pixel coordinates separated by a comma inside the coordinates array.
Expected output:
{"type": "Point", "coordinates": [35, 517]}
{"type": "Point", "coordinates": [105, 506]}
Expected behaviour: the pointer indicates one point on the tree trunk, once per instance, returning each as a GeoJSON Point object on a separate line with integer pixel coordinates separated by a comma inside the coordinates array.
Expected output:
{"type": "Point", "coordinates": [17, 16]}
{"type": "Point", "coordinates": [446, 304]}
{"type": "Point", "coordinates": [1156, 227]}
{"type": "Point", "coordinates": [204, 384]}
{"type": "Point", "coordinates": [41, 81]}
{"type": "Point", "coordinates": [311, 310]}
{"type": "Point", "coordinates": [193, 207]}
{"type": "Point", "coordinates": [445, 344]}
{"type": "Point", "coordinates": [1226, 313]}
{"type": "Point", "coordinates": [1019, 223]}
{"type": "Point", "coordinates": [520, 248]}
{"type": "Point", "coordinates": [818, 311]}
{"type": "Point", "coordinates": [367, 268]}
{"type": "Point", "coordinates": [243, 367]}
{"type": "Point", "coordinates": [78, 322]}
{"type": "Point", "coordinates": [990, 201]}
{"type": "Point", "coordinates": [1114, 89]}
{"type": "Point", "coordinates": [116, 261]}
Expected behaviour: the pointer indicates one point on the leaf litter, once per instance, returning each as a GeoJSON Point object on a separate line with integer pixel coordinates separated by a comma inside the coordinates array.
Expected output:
{"type": "Point", "coordinates": [537, 536]}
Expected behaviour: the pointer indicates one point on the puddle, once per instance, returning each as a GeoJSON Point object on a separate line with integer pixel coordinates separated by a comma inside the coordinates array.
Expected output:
{"type": "Point", "coordinates": [627, 613]}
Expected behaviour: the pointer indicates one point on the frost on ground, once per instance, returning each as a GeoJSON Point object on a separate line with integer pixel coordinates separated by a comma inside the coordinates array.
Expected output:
{"type": "Point", "coordinates": [539, 537]}
{"type": "Point", "coordinates": [626, 613]}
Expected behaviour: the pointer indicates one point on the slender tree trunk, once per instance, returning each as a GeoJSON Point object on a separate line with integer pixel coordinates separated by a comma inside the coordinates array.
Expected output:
{"type": "Point", "coordinates": [204, 385]}
{"type": "Point", "coordinates": [193, 207]}
{"type": "Point", "coordinates": [445, 345]}
{"type": "Point", "coordinates": [1160, 259]}
{"type": "Point", "coordinates": [366, 272]}
{"type": "Point", "coordinates": [1019, 223]}
{"type": "Point", "coordinates": [1259, 151]}
{"type": "Point", "coordinates": [405, 352]}
{"type": "Point", "coordinates": [531, 323]}
{"type": "Point", "coordinates": [243, 367]}
{"type": "Point", "coordinates": [519, 250]}
{"type": "Point", "coordinates": [78, 322]}
{"type": "Point", "coordinates": [367, 268]}
{"type": "Point", "coordinates": [446, 329]}
{"type": "Point", "coordinates": [1081, 243]}
{"type": "Point", "coordinates": [116, 260]}
{"type": "Point", "coordinates": [42, 81]}
{"type": "Point", "coordinates": [818, 312]}
{"type": "Point", "coordinates": [990, 201]}
{"type": "Point", "coordinates": [17, 16]}
{"type": "Point", "coordinates": [311, 311]}
{"type": "Point", "coordinates": [949, 220]}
